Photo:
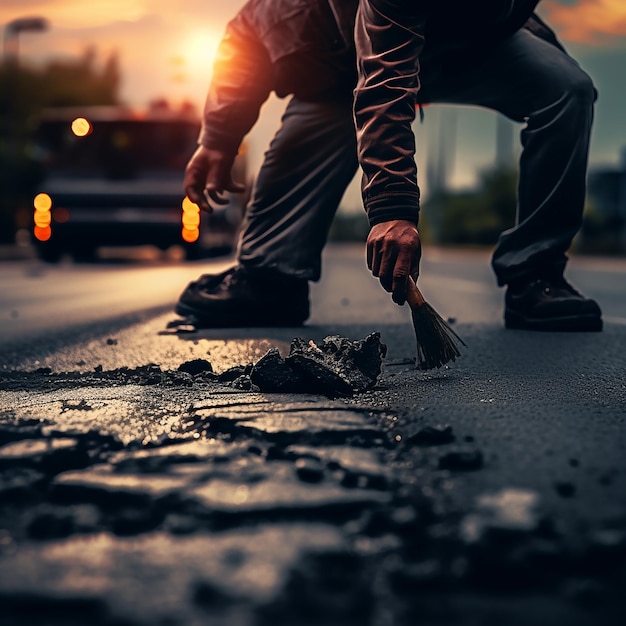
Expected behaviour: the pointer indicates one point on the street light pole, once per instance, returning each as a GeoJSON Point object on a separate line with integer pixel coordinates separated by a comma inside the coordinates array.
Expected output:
{"type": "Point", "coordinates": [10, 127]}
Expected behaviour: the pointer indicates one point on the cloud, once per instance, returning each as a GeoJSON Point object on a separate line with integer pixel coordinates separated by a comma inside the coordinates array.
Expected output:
{"type": "Point", "coordinates": [77, 13]}
{"type": "Point", "coordinates": [593, 22]}
{"type": "Point", "coordinates": [596, 22]}
{"type": "Point", "coordinates": [165, 48]}
{"type": "Point", "coordinates": [80, 14]}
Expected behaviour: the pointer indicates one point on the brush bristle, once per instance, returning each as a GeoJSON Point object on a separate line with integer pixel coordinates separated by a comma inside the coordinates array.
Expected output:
{"type": "Point", "coordinates": [436, 341]}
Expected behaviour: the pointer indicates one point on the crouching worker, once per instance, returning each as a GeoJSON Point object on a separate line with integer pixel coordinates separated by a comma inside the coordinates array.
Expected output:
{"type": "Point", "coordinates": [495, 54]}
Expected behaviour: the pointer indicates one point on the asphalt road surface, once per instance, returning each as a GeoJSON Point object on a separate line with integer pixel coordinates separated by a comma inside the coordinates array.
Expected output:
{"type": "Point", "coordinates": [143, 488]}
{"type": "Point", "coordinates": [39, 300]}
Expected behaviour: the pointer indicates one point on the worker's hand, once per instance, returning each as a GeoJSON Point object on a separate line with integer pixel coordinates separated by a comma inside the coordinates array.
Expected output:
{"type": "Point", "coordinates": [393, 255]}
{"type": "Point", "coordinates": [208, 176]}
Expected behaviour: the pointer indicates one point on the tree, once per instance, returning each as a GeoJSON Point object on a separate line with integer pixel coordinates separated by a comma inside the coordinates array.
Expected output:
{"type": "Point", "coordinates": [24, 93]}
{"type": "Point", "coordinates": [477, 216]}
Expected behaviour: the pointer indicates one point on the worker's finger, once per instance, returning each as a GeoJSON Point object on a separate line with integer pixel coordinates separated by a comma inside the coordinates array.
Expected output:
{"type": "Point", "coordinates": [197, 197]}
{"type": "Point", "coordinates": [219, 175]}
{"type": "Point", "coordinates": [398, 292]}
{"type": "Point", "coordinates": [415, 262]}
{"type": "Point", "coordinates": [193, 184]}
{"type": "Point", "coordinates": [399, 280]}
{"type": "Point", "coordinates": [234, 187]}
{"type": "Point", "coordinates": [370, 255]}
{"type": "Point", "coordinates": [215, 195]}
{"type": "Point", "coordinates": [387, 265]}
{"type": "Point", "coordinates": [215, 182]}
{"type": "Point", "coordinates": [377, 258]}
{"type": "Point", "coordinates": [192, 193]}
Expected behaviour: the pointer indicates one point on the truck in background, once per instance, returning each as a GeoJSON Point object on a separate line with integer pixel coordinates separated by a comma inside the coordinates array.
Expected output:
{"type": "Point", "coordinates": [113, 176]}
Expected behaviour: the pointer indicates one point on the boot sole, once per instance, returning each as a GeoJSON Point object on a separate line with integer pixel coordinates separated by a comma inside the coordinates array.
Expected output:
{"type": "Point", "coordinates": [577, 323]}
{"type": "Point", "coordinates": [233, 320]}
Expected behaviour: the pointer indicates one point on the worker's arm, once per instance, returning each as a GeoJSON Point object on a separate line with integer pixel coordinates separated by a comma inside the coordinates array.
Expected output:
{"type": "Point", "coordinates": [242, 81]}
{"type": "Point", "coordinates": [389, 40]}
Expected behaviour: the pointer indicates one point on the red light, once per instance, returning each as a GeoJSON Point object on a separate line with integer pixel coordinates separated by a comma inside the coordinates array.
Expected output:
{"type": "Point", "coordinates": [190, 234]}
{"type": "Point", "coordinates": [61, 215]}
{"type": "Point", "coordinates": [42, 233]}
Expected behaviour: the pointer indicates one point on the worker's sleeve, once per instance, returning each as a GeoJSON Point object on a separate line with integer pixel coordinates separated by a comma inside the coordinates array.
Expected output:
{"type": "Point", "coordinates": [389, 39]}
{"type": "Point", "coordinates": [242, 81]}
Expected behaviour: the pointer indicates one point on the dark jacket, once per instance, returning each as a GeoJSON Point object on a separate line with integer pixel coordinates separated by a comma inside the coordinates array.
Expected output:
{"type": "Point", "coordinates": [394, 40]}
{"type": "Point", "coordinates": [299, 47]}
{"type": "Point", "coordinates": [306, 48]}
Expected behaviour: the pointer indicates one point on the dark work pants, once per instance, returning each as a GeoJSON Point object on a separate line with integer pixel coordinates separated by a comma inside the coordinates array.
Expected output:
{"type": "Point", "coordinates": [312, 159]}
{"type": "Point", "coordinates": [305, 172]}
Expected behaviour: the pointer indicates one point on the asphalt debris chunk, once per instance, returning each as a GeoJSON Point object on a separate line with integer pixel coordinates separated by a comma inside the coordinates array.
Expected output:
{"type": "Point", "coordinates": [338, 366]}
{"type": "Point", "coordinates": [432, 436]}
{"type": "Point", "coordinates": [271, 373]}
{"type": "Point", "coordinates": [196, 366]}
{"type": "Point", "coordinates": [233, 373]}
{"type": "Point", "coordinates": [461, 459]}
{"type": "Point", "coordinates": [565, 489]}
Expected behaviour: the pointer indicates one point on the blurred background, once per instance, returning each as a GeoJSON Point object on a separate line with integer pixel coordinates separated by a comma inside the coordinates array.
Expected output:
{"type": "Point", "coordinates": [99, 111]}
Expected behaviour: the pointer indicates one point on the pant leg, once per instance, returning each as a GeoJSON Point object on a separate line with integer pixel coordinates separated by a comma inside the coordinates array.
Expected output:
{"type": "Point", "coordinates": [305, 172]}
{"type": "Point", "coordinates": [531, 81]}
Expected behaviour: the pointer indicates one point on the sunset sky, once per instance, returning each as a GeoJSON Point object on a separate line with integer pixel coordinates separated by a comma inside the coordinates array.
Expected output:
{"type": "Point", "coordinates": [166, 50]}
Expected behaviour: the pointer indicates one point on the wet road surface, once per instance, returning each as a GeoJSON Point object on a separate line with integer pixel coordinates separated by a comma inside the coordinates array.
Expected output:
{"type": "Point", "coordinates": [141, 486]}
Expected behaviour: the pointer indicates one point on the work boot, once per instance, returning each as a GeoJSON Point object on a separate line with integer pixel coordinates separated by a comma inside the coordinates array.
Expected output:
{"type": "Point", "coordinates": [550, 304]}
{"type": "Point", "coordinates": [246, 298]}
{"type": "Point", "coordinates": [209, 281]}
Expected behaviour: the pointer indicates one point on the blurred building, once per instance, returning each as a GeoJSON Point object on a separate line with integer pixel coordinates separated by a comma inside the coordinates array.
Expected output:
{"type": "Point", "coordinates": [606, 195]}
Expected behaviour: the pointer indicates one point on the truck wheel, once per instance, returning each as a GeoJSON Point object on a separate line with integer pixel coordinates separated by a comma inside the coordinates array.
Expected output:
{"type": "Point", "coordinates": [49, 254]}
{"type": "Point", "coordinates": [194, 252]}
{"type": "Point", "coordinates": [84, 255]}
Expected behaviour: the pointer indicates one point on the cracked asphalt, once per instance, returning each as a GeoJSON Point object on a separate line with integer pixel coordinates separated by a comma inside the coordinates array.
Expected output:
{"type": "Point", "coordinates": [141, 486]}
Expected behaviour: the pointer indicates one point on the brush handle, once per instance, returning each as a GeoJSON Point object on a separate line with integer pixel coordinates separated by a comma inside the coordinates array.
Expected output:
{"type": "Point", "coordinates": [413, 295]}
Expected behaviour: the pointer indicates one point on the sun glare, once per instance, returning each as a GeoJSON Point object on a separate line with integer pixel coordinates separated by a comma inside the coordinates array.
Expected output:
{"type": "Point", "coordinates": [195, 55]}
